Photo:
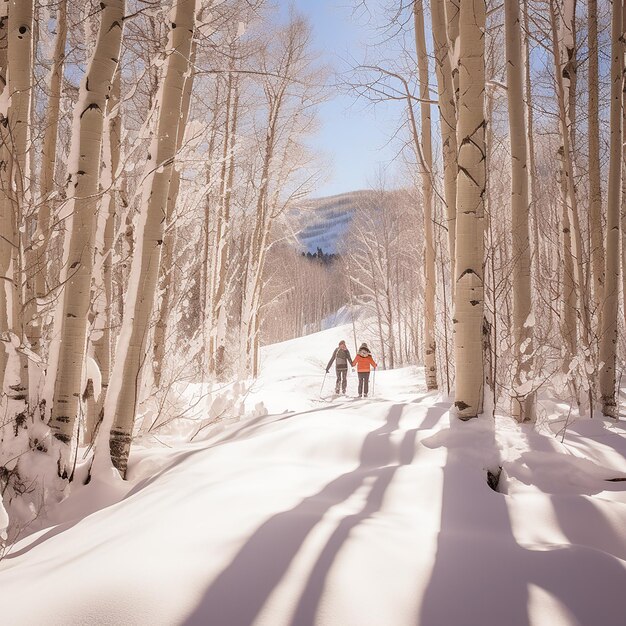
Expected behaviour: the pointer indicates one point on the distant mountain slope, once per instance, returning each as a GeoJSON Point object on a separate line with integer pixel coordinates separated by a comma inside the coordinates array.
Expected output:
{"type": "Point", "coordinates": [325, 221]}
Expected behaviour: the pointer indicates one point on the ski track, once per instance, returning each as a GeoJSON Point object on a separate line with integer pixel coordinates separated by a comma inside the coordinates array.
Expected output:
{"type": "Point", "coordinates": [358, 512]}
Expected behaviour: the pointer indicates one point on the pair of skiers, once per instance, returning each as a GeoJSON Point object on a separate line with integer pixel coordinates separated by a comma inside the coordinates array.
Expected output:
{"type": "Point", "coordinates": [363, 363]}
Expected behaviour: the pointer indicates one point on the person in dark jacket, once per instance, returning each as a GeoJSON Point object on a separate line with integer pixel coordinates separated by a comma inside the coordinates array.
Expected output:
{"type": "Point", "coordinates": [363, 362]}
{"type": "Point", "coordinates": [341, 357]}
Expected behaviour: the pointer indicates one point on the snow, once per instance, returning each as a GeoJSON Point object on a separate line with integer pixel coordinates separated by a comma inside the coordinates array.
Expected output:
{"type": "Point", "coordinates": [347, 513]}
{"type": "Point", "coordinates": [325, 223]}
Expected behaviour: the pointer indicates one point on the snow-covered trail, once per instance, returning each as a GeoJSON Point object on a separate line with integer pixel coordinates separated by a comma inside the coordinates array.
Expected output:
{"type": "Point", "coordinates": [362, 513]}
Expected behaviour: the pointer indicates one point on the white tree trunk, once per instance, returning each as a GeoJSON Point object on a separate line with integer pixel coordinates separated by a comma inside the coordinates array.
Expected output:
{"type": "Point", "coordinates": [49, 148]}
{"type": "Point", "coordinates": [537, 267]}
{"type": "Point", "coordinates": [623, 203]}
{"type": "Point", "coordinates": [595, 192]}
{"type": "Point", "coordinates": [258, 246]}
{"type": "Point", "coordinates": [6, 209]}
{"type": "Point", "coordinates": [121, 402]}
{"type": "Point", "coordinates": [103, 271]}
{"type": "Point", "coordinates": [218, 332]}
{"type": "Point", "coordinates": [522, 401]}
{"type": "Point", "coordinates": [469, 296]}
{"type": "Point", "coordinates": [16, 167]}
{"type": "Point", "coordinates": [166, 265]}
{"type": "Point", "coordinates": [430, 365]}
{"type": "Point", "coordinates": [608, 336]}
{"type": "Point", "coordinates": [447, 120]}
{"type": "Point", "coordinates": [568, 311]}
{"type": "Point", "coordinates": [453, 14]}
{"type": "Point", "coordinates": [573, 274]}
{"type": "Point", "coordinates": [80, 215]}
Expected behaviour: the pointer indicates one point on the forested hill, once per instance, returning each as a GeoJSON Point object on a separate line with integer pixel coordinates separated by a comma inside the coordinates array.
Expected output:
{"type": "Point", "coordinates": [325, 221]}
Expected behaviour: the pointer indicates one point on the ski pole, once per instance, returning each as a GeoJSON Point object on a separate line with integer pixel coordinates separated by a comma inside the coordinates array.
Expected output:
{"type": "Point", "coordinates": [322, 387]}
{"type": "Point", "coordinates": [374, 381]}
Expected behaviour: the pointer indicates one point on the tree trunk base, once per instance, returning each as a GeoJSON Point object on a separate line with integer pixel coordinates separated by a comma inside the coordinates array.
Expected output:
{"type": "Point", "coordinates": [119, 444]}
{"type": "Point", "coordinates": [523, 408]}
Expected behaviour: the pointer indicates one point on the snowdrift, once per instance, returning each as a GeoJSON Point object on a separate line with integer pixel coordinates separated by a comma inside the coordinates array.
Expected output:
{"type": "Point", "coordinates": [354, 512]}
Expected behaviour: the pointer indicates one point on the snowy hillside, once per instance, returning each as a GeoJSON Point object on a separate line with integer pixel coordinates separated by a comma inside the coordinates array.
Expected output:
{"type": "Point", "coordinates": [325, 221]}
{"type": "Point", "coordinates": [346, 513]}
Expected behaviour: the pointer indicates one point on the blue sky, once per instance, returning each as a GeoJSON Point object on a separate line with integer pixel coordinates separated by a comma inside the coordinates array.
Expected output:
{"type": "Point", "coordinates": [352, 136]}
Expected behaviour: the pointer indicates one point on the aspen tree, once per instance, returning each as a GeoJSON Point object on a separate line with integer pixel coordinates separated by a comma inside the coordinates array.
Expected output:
{"type": "Point", "coordinates": [6, 211]}
{"type": "Point", "coordinates": [452, 17]}
{"type": "Point", "coordinates": [217, 341]}
{"type": "Point", "coordinates": [567, 78]}
{"type": "Point", "coordinates": [30, 374]}
{"type": "Point", "coordinates": [223, 250]}
{"type": "Point", "coordinates": [121, 402]}
{"type": "Point", "coordinates": [447, 119]}
{"type": "Point", "coordinates": [430, 365]}
{"type": "Point", "coordinates": [568, 304]}
{"type": "Point", "coordinates": [16, 165]}
{"type": "Point", "coordinates": [537, 268]}
{"type": "Point", "coordinates": [522, 401]}
{"type": "Point", "coordinates": [572, 254]}
{"type": "Point", "coordinates": [595, 192]}
{"type": "Point", "coordinates": [608, 335]}
{"type": "Point", "coordinates": [38, 223]}
{"type": "Point", "coordinates": [80, 214]}
{"type": "Point", "coordinates": [49, 148]}
{"type": "Point", "coordinates": [103, 270]}
{"type": "Point", "coordinates": [469, 295]}
{"type": "Point", "coordinates": [160, 329]}
{"type": "Point", "coordinates": [623, 202]}
{"type": "Point", "coordinates": [207, 239]}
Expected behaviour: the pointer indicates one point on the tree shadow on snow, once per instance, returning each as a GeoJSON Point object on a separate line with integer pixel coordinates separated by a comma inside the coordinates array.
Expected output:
{"type": "Point", "coordinates": [481, 574]}
{"type": "Point", "coordinates": [241, 590]}
{"type": "Point", "coordinates": [246, 429]}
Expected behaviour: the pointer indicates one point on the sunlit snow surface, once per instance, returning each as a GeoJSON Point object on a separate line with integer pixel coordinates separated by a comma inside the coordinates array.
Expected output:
{"type": "Point", "coordinates": [352, 513]}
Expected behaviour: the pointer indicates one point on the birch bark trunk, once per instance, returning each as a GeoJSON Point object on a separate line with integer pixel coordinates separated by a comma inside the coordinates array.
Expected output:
{"type": "Point", "coordinates": [258, 244]}
{"type": "Point", "coordinates": [123, 393]}
{"type": "Point", "coordinates": [568, 313]}
{"type": "Point", "coordinates": [522, 398]}
{"type": "Point", "coordinates": [623, 202]}
{"type": "Point", "coordinates": [608, 335]}
{"type": "Point", "coordinates": [573, 278]}
{"type": "Point", "coordinates": [218, 353]}
{"type": "Point", "coordinates": [595, 192]}
{"type": "Point", "coordinates": [206, 311]}
{"type": "Point", "coordinates": [453, 13]}
{"type": "Point", "coordinates": [469, 297]}
{"type": "Point", "coordinates": [49, 148]}
{"type": "Point", "coordinates": [537, 266]}
{"type": "Point", "coordinates": [20, 80]}
{"type": "Point", "coordinates": [447, 121]}
{"type": "Point", "coordinates": [160, 329]}
{"type": "Point", "coordinates": [6, 211]}
{"type": "Point", "coordinates": [567, 79]}
{"type": "Point", "coordinates": [219, 237]}
{"type": "Point", "coordinates": [430, 365]}
{"type": "Point", "coordinates": [104, 260]}
{"type": "Point", "coordinates": [80, 214]}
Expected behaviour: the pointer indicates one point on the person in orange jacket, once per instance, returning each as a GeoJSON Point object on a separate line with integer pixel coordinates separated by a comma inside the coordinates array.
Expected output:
{"type": "Point", "coordinates": [364, 362]}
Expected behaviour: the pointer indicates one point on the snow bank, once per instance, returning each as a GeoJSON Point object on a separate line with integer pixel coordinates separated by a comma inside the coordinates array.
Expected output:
{"type": "Point", "coordinates": [343, 513]}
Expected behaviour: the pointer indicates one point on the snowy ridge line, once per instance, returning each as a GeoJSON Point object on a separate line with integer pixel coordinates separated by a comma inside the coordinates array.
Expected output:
{"type": "Point", "coordinates": [324, 221]}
